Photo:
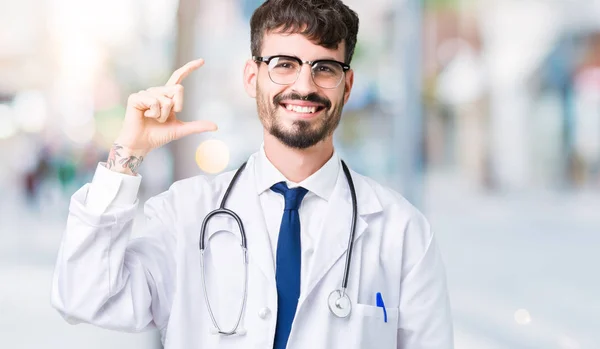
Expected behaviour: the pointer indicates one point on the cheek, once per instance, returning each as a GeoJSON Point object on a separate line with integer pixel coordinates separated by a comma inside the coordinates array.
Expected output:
{"type": "Point", "coordinates": [262, 90]}
{"type": "Point", "coordinates": [337, 96]}
{"type": "Point", "coordinates": [271, 91]}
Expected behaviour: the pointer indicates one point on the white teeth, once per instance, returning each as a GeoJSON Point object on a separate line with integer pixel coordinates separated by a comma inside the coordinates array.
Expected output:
{"type": "Point", "coordinates": [300, 109]}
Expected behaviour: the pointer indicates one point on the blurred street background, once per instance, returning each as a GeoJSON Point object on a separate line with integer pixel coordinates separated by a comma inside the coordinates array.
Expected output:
{"type": "Point", "coordinates": [484, 113]}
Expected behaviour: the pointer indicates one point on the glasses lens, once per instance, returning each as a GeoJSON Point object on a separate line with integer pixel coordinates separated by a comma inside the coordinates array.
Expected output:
{"type": "Point", "coordinates": [283, 70]}
{"type": "Point", "coordinates": [327, 74]}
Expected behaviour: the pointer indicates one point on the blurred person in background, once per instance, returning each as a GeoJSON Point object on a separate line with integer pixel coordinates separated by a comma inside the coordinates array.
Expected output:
{"type": "Point", "coordinates": [311, 223]}
{"type": "Point", "coordinates": [32, 178]}
{"type": "Point", "coordinates": [586, 100]}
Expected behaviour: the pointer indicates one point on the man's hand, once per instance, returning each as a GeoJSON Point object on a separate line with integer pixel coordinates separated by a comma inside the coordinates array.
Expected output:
{"type": "Point", "coordinates": [150, 122]}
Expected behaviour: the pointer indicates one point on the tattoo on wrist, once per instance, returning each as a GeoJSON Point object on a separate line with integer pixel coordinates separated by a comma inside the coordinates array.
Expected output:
{"type": "Point", "coordinates": [118, 159]}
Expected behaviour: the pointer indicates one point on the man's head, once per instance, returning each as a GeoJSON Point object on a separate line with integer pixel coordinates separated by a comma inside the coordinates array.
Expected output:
{"type": "Point", "coordinates": [301, 103]}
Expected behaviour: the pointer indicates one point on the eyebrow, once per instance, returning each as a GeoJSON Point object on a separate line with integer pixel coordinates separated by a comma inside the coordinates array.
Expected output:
{"type": "Point", "coordinates": [327, 58]}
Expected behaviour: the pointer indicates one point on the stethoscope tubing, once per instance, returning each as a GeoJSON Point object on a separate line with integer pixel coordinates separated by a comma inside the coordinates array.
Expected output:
{"type": "Point", "coordinates": [353, 229]}
{"type": "Point", "coordinates": [222, 210]}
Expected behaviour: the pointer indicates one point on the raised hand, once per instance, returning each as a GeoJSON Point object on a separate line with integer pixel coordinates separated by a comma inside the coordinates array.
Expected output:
{"type": "Point", "coordinates": [150, 122]}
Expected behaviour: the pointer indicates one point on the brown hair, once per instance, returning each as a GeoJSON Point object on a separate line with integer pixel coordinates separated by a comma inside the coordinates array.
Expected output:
{"type": "Point", "coordinates": [325, 22]}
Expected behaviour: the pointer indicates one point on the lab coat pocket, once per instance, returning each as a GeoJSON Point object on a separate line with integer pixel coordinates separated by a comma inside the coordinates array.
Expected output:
{"type": "Point", "coordinates": [371, 326]}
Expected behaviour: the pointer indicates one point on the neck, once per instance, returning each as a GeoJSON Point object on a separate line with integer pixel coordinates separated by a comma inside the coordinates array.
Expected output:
{"type": "Point", "coordinates": [297, 164]}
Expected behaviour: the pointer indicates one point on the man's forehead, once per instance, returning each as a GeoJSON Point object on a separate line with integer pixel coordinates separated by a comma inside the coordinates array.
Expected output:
{"type": "Point", "coordinates": [298, 44]}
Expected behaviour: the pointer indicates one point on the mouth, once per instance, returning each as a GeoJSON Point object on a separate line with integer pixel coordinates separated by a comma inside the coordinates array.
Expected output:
{"type": "Point", "coordinates": [306, 110]}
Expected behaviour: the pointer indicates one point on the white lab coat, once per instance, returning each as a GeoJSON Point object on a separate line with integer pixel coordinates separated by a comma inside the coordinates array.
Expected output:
{"type": "Point", "coordinates": [103, 278]}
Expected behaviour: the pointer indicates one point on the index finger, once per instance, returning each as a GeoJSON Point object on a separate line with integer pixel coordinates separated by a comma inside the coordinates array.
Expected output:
{"type": "Point", "coordinates": [184, 71]}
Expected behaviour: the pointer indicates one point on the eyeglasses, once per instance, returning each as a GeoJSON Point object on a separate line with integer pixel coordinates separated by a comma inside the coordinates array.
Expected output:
{"type": "Point", "coordinates": [284, 70]}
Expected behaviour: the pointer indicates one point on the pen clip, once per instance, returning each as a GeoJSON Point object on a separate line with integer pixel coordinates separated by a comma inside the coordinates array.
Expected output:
{"type": "Point", "coordinates": [380, 304]}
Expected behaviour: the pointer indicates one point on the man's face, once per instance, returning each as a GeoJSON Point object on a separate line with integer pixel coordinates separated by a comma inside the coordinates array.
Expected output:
{"type": "Point", "coordinates": [302, 113]}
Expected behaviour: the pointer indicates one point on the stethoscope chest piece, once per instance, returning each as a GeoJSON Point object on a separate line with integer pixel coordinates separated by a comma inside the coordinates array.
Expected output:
{"type": "Point", "coordinates": [339, 304]}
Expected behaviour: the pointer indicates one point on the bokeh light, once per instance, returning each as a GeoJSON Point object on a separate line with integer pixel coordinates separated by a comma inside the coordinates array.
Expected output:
{"type": "Point", "coordinates": [7, 124]}
{"type": "Point", "coordinates": [81, 134]}
{"type": "Point", "coordinates": [30, 111]}
{"type": "Point", "coordinates": [212, 156]}
{"type": "Point", "coordinates": [522, 317]}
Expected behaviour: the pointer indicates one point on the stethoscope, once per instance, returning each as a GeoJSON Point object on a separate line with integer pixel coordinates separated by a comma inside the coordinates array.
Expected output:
{"type": "Point", "coordinates": [338, 301]}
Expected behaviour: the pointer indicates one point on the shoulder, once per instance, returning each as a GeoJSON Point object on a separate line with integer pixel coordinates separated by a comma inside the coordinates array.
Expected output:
{"type": "Point", "coordinates": [202, 189]}
{"type": "Point", "coordinates": [399, 224]}
{"type": "Point", "coordinates": [397, 212]}
{"type": "Point", "coordinates": [202, 183]}
{"type": "Point", "coordinates": [391, 200]}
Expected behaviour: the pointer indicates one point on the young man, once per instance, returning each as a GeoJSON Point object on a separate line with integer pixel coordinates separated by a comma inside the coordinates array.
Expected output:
{"type": "Point", "coordinates": [295, 201]}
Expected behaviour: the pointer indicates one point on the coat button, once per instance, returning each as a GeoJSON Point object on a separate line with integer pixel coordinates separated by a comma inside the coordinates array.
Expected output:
{"type": "Point", "coordinates": [264, 313]}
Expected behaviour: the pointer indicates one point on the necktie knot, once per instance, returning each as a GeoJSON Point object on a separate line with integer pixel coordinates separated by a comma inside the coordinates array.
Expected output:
{"type": "Point", "coordinates": [293, 197]}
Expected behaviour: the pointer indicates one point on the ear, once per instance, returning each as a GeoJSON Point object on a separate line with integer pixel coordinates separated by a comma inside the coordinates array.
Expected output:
{"type": "Point", "coordinates": [250, 76]}
{"type": "Point", "coordinates": [349, 82]}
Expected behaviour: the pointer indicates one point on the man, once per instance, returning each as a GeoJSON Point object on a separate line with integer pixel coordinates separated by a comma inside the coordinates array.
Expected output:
{"type": "Point", "coordinates": [294, 201]}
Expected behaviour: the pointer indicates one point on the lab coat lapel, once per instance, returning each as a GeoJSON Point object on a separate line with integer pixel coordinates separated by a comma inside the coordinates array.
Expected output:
{"type": "Point", "coordinates": [245, 202]}
{"type": "Point", "coordinates": [332, 240]}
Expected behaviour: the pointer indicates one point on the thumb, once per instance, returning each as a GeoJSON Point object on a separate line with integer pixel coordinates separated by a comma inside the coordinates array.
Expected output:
{"type": "Point", "coordinates": [191, 127]}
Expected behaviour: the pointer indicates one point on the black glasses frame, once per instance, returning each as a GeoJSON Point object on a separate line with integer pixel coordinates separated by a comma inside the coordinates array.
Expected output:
{"type": "Point", "coordinates": [267, 60]}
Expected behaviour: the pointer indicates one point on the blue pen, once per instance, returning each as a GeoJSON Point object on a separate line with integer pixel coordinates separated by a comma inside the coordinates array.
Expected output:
{"type": "Point", "coordinates": [382, 306]}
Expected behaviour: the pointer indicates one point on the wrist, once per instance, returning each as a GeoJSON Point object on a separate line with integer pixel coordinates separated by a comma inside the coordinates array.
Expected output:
{"type": "Point", "coordinates": [125, 160]}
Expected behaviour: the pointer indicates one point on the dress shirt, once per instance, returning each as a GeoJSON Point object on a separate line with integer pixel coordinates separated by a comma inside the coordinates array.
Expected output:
{"type": "Point", "coordinates": [312, 210]}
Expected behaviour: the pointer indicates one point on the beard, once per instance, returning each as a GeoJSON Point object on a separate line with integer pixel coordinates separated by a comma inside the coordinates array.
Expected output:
{"type": "Point", "coordinates": [303, 133]}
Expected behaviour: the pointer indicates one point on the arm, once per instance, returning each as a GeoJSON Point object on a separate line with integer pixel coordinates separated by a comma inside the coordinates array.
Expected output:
{"type": "Point", "coordinates": [102, 277]}
{"type": "Point", "coordinates": [425, 318]}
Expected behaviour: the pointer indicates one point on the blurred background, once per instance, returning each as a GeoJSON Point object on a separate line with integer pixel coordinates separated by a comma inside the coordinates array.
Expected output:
{"type": "Point", "coordinates": [484, 113]}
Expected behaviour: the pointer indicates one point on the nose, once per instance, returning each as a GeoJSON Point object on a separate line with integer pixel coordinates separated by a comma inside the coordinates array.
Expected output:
{"type": "Point", "coordinates": [305, 84]}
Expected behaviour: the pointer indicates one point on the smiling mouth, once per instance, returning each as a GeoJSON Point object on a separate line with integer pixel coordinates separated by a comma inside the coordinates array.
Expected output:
{"type": "Point", "coordinates": [302, 109]}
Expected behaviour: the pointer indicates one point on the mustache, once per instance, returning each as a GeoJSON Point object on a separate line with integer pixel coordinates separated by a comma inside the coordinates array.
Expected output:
{"type": "Point", "coordinates": [311, 97]}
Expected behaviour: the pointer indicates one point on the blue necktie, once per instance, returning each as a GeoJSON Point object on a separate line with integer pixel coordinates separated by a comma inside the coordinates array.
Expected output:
{"type": "Point", "coordinates": [287, 273]}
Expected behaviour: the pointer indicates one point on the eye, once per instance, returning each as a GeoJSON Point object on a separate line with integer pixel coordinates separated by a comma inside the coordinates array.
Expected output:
{"type": "Point", "coordinates": [284, 65]}
{"type": "Point", "coordinates": [327, 68]}
{"type": "Point", "coordinates": [324, 69]}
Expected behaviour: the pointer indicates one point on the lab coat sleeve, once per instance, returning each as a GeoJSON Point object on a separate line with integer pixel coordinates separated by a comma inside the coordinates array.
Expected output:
{"type": "Point", "coordinates": [101, 276]}
{"type": "Point", "coordinates": [425, 318]}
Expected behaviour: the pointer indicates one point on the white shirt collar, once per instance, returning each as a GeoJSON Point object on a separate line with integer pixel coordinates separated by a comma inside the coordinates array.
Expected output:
{"type": "Point", "coordinates": [320, 183]}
